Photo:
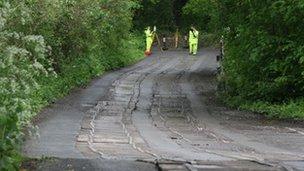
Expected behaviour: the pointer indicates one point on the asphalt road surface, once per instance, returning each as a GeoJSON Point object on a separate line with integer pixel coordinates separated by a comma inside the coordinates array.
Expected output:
{"type": "Point", "coordinates": [161, 114]}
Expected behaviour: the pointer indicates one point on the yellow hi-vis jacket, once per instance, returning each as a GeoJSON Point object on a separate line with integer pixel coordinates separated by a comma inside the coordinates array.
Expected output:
{"type": "Point", "coordinates": [149, 34]}
{"type": "Point", "coordinates": [149, 39]}
{"type": "Point", "coordinates": [193, 37]}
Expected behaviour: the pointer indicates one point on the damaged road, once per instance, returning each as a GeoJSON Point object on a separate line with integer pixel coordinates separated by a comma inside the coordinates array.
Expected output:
{"type": "Point", "coordinates": [163, 111]}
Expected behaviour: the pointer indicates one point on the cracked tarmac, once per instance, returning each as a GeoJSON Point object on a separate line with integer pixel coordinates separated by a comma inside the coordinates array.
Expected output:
{"type": "Point", "coordinates": [163, 111]}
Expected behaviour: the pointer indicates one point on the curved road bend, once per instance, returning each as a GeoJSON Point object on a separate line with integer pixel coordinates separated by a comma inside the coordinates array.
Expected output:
{"type": "Point", "coordinates": [163, 111]}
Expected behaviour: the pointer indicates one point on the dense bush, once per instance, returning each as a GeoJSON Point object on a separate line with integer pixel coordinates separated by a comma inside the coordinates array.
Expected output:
{"type": "Point", "coordinates": [23, 58]}
{"type": "Point", "coordinates": [154, 12]}
{"type": "Point", "coordinates": [48, 47]}
{"type": "Point", "coordinates": [203, 14]}
{"type": "Point", "coordinates": [165, 14]}
{"type": "Point", "coordinates": [265, 42]}
{"type": "Point", "coordinates": [264, 50]}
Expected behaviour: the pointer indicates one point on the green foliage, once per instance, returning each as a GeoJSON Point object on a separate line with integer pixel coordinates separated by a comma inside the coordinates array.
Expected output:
{"type": "Point", "coordinates": [204, 14]}
{"type": "Point", "coordinates": [209, 39]}
{"type": "Point", "coordinates": [165, 14]}
{"type": "Point", "coordinates": [264, 54]}
{"type": "Point", "coordinates": [266, 45]}
{"type": "Point", "coordinates": [77, 39]}
{"type": "Point", "coordinates": [263, 66]}
{"type": "Point", "coordinates": [23, 57]}
{"type": "Point", "coordinates": [158, 13]}
{"type": "Point", "coordinates": [292, 109]}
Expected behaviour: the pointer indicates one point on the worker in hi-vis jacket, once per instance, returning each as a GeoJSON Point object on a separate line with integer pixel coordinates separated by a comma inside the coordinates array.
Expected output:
{"type": "Point", "coordinates": [193, 41]}
{"type": "Point", "coordinates": [149, 39]}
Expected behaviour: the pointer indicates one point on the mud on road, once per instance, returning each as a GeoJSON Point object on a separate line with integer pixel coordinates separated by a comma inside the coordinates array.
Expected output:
{"type": "Point", "coordinates": [162, 110]}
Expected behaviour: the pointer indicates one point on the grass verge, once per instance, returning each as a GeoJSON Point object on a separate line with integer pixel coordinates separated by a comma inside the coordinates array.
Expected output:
{"type": "Point", "coordinates": [293, 109]}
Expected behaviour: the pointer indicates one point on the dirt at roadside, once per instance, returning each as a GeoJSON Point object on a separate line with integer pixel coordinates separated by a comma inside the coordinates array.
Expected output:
{"type": "Point", "coordinates": [55, 164]}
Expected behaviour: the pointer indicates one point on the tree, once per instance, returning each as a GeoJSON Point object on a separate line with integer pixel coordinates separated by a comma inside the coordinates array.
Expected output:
{"type": "Point", "coordinates": [264, 49]}
{"type": "Point", "coordinates": [204, 14]}
{"type": "Point", "coordinates": [166, 14]}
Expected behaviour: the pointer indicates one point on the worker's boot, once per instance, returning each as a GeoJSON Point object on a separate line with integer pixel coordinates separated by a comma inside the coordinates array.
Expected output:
{"type": "Point", "coordinates": [148, 53]}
